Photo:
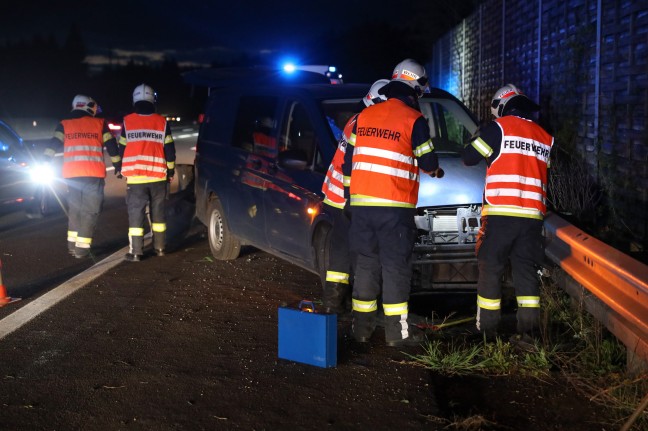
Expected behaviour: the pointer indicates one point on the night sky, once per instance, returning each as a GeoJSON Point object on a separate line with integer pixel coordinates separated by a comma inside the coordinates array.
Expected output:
{"type": "Point", "coordinates": [190, 31]}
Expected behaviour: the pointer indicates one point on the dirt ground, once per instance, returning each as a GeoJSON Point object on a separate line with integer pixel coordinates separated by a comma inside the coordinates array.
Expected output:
{"type": "Point", "coordinates": [183, 342]}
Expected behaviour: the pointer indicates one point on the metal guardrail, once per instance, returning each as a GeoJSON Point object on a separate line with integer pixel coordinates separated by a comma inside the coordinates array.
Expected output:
{"type": "Point", "coordinates": [617, 280]}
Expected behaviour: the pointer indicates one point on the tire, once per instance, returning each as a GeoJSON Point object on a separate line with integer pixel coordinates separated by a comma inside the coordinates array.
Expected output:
{"type": "Point", "coordinates": [223, 244]}
{"type": "Point", "coordinates": [185, 176]}
{"type": "Point", "coordinates": [41, 204]}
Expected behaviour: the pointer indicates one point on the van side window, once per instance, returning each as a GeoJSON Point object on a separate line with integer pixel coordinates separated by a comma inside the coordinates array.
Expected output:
{"type": "Point", "coordinates": [255, 127]}
{"type": "Point", "coordinates": [298, 133]}
{"type": "Point", "coordinates": [447, 125]}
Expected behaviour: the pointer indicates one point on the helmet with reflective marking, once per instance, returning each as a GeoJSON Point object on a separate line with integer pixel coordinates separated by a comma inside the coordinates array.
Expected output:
{"type": "Point", "coordinates": [510, 97]}
{"type": "Point", "coordinates": [145, 93]}
{"type": "Point", "coordinates": [85, 103]}
{"type": "Point", "coordinates": [411, 73]}
{"type": "Point", "coordinates": [502, 97]}
{"type": "Point", "coordinates": [372, 96]}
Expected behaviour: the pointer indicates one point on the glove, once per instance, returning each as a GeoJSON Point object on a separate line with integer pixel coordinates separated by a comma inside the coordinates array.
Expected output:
{"type": "Point", "coordinates": [439, 173]}
{"type": "Point", "coordinates": [117, 172]}
{"type": "Point", "coordinates": [170, 174]}
{"type": "Point", "coordinates": [347, 211]}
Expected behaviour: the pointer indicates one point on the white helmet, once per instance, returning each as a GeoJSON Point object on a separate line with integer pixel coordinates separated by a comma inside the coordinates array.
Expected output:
{"type": "Point", "coordinates": [85, 103]}
{"type": "Point", "coordinates": [144, 92]}
{"type": "Point", "coordinates": [411, 73]}
{"type": "Point", "coordinates": [502, 97]}
{"type": "Point", "coordinates": [373, 96]}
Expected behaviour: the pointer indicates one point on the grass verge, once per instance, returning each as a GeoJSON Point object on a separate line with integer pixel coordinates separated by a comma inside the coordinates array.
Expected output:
{"type": "Point", "coordinates": [572, 343]}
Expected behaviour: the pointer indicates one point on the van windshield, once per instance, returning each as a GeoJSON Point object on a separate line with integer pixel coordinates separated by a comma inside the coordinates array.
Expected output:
{"type": "Point", "coordinates": [451, 127]}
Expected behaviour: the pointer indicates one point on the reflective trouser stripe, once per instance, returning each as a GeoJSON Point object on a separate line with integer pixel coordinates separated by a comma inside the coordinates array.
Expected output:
{"type": "Point", "coordinates": [158, 227]}
{"type": "Point", "coordinates": [395, 309]}
{"type": "Point", "coordinates": [71, 236]}
{"type": "Point", "coordinates": [364, 306]}
{"type": "Point", "coordinates": [488, 304]}
{"type": "Point", "coordinates": [528, 301]}
{"type": "Point", "coordinates": [135, 231]}
{"type": "Point", "coordinates": [337, 277]}
{"type": "Point", "coordinates": [83, 242]}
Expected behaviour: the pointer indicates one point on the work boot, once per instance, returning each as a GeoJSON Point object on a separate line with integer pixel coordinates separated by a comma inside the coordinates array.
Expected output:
{"type": "Point", "coordinates": [159, 240]}
{"type": "Point", "coordinates": [130, 257]}
{"type": "Point", "coordinates": [80, 252]}
{"type": "Point", "coordinates": [334, 297]}
{"type": "Point", "coordinates": [524, 343]}
{"type": "Point", "coordinates": [528, 320]}
{"type": "Point", "coordinates": [399, 332]}
{"type": "Point", "coordinates": [363, 325]}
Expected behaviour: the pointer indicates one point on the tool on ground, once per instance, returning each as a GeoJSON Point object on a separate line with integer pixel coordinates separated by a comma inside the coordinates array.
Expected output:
{"type": "Point", "coordinates": [444, 324]}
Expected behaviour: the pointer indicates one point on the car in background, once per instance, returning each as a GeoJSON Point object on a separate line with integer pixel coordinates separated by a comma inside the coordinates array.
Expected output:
{"type": "Point", "coordinates": [25, 182]}
{"type": "Point", "coordinates": [262, 153]}
{"type": "Point", "coordinates": [115, 126]}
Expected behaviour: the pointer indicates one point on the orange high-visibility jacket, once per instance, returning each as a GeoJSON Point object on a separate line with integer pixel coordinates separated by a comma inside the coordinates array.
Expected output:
{"type": "Point", "coordinates": [144, 152]}
{"type": "Point", "coordinates": [83, 148]}
{"type": "Point", "coordinates": [333, 187]}
{"type": "Point", "coordinates": [516, 181]}
{"type": "Point", "coordinates": [384, 170]}
{"type": "Point", "coordinates": [264, 144]}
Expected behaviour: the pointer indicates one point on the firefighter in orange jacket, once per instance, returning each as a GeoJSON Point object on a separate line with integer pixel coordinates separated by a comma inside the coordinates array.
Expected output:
{"type": "Point", "coordinates": [83, 137]}
{"type": "Point", "coordinates": [516, 150]}
{"type": "Point", "coordinates": [148, 163]}
{"type": "Point", "coordinates": [391, 144]}
{"type": "Point", "coordinates": [337, 285]}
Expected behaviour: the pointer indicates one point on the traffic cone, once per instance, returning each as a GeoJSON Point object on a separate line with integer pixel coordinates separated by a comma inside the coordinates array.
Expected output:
{"type": "Point", "coordinates": [4, 299]}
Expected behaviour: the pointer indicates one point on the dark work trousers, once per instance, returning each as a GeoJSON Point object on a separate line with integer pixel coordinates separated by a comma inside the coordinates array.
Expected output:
{"type": "Point", "coordinates": [85, 196]}
{"type": "Point", "coordinates": [339, 260]}
{"type": "Point", "coordinates": [337, 288]}
{"type": "Point", "coordinates": [502, 240]}
{"type": "Point", "coordinates": [381, 240]}
{"type": "Point", "coordinates": [138, 196]}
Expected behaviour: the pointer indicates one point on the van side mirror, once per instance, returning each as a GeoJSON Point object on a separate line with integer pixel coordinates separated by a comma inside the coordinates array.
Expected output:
{"type": "Point", "coordinates": [293, 159]}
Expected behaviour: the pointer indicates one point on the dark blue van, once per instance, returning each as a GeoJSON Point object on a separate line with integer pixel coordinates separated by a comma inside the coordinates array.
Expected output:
{"type": "Point", "coordinates": [262, 153]}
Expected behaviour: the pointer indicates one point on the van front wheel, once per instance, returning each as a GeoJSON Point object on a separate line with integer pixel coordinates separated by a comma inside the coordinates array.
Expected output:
{"type": "Point", "coordinates": [223, 244]}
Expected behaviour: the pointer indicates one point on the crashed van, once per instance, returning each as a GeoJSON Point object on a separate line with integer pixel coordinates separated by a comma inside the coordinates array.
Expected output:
{"type": "Point", "coordinates": [262, 153]}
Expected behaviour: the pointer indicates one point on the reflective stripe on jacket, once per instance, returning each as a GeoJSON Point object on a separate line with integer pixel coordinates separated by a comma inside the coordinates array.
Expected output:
{"type": "Point", "coordinates": [384, 171]}
{"type": "Point", "coordinates": [516, 181]}
{"type": "Point", "coordinates": [83, 148]}
{"type": "Point", "coordinates": [333, 187]}
{"type": "Point", "coordinates": [144, 153]}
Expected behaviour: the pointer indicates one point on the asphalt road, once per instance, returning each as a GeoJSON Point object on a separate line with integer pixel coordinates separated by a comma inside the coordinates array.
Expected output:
{"type": "Point", "coordinates": [184, 342]}
{"type": "Point", "coordinates": [33, 251]}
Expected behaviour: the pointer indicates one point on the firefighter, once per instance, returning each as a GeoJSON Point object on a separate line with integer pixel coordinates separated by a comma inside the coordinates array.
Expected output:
{"type": "Point", "coordinates": [265, 143]}
{"type": "Point", "coordinates": [83, 137]}
{"type": "Point", "coordinates": [516, 150]}
{"type": "Point", "coordinates": [148, 162]}
{"type": "Point", "coordinates": [337, 287]}
{"type": "Point", "coordinates": [391, 144]}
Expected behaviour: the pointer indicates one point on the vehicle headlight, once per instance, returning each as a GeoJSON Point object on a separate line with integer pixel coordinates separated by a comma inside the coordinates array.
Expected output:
{"type": "Point", "coordinates": [42, 173]}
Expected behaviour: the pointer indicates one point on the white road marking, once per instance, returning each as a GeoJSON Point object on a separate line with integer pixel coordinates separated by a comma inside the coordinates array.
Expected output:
{"type": "Point", "coordinates": [23, 315]}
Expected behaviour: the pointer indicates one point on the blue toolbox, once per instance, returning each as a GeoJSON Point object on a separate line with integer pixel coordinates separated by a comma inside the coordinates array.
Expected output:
{"type": "Point", "coordinates": [307, 335]}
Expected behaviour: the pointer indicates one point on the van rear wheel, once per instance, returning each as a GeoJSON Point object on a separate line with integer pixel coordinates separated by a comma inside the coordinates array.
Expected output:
{"type": "Point", "coordinates": [223, 244]}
